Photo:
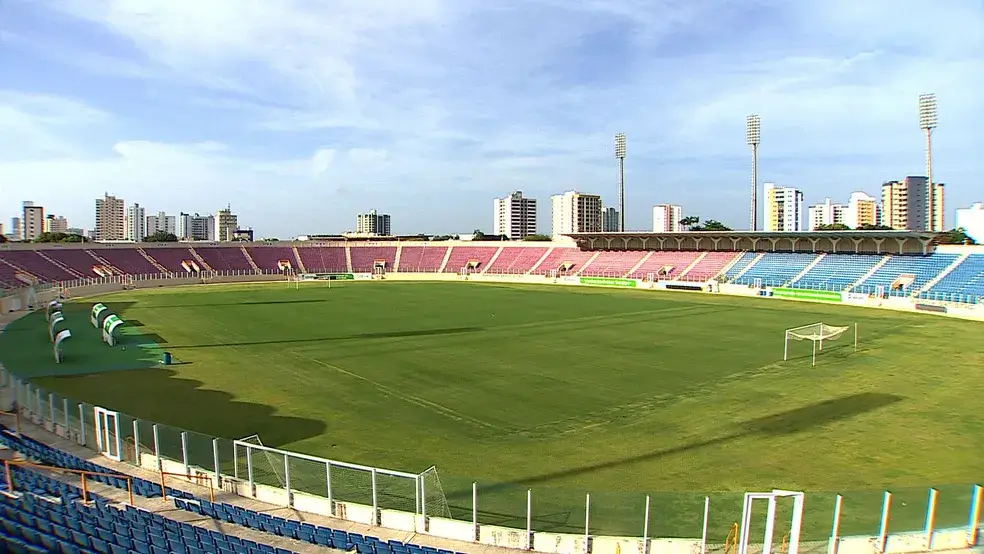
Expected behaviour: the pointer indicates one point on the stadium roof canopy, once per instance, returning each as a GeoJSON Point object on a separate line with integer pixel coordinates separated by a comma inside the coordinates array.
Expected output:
{"type": "Point", "coordinates": [838, 242]}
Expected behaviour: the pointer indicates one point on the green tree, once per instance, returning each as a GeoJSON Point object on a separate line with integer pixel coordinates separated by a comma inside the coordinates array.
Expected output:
{"type": "Point", "coordinates": [715, 225]}
{"type": "Point", "coordinates": [955, 236]}
{"type": "Point", "coordinates": [537, 238]}
{"type": "Point", "coordinates": [690, 222]}
{"type": "Point", "coordinates": [870, 227]}
{"type": "Point", "coordinates": [161, 236]}
{"type": "Point", "coordinates": [833, 227]}
{"type": "Point", "coordinates": [477, 234]}
{"type": "Point", "coordinates": [59, 237]}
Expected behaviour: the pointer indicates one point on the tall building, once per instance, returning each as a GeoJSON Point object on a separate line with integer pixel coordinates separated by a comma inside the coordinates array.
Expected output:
{"type": "Point", "coordinates": [609, 220]}
{"type": "Point", "coordinates": [161, 222]}
{"type": "Point", "coordinates": [666, 218]}
{"type": "Point", "coordinates": [575, 212]}
{"type": "Point", "coordinates": [136, 223]}
{"type": "Point", "coordinates": [16, 229]}
{"type": "Point", "coordinates": [905, 205]}
{"type": "Point", "coordinates": [373, 223]}
{"type": "Point", "coordinates": [971, 220]}
{"type": "Point", "coordinates": [55, 224]}
{"type": "Point", "coordinates": [110, 218]}
{"type": "Point", "coordinates": [862, 209]}
{"type": "Point", "coordinates": [197, 227]}
{"type": "Point", "coordinates": [783, 209]}
{"type": "Point", "coordinates": [226, 224]}
{"type": "Point", "coordinates": [32, 220]}
{"type": "Point", "coordinates": [514, 216]}
{"type": "Point", "coordinates": [827, 213]}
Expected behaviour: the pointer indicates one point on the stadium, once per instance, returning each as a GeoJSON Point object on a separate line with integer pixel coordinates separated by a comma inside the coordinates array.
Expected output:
{"type": "Point", "coordinates": [608, 393]}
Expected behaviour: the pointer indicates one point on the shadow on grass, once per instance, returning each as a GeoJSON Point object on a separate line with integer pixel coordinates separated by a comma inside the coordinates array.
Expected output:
{"type": "Point", "coordinates": [380, 335]}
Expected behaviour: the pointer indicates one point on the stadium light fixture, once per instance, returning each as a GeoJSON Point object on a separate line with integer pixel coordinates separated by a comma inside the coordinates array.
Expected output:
{"type": "Point", "coordinates": [753, 133]}
{"type": "Point", "coordinates": [927, 122]}
{"type": "Point", "coordinates": [620, 154]}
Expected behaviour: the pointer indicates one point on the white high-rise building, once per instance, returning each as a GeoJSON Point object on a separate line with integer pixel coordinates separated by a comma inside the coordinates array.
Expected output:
{"type": "Point", "coordinates": [783, 209]}
{"type": "Point", "coordinates": [201, 227]}
{"type": "Point", "coordinates": [32, 220]}
{"type": "Point", "coordinates": [373, 223]}
{"type": "Point", "coordinates": [862, 209]}
{"type": "Point", "coordinates": [666, 218]}
{"type": "Point", "coordinates": [575, 212]}
{"type": "Point", "coordinates": [905, 205]}
{"type": "Point", "coordinates": [971, 220]}
{"type": "Point", "coordinates": [609, 220]}
{"type": "Point", "coordinates": [827, 213]}
{"type": "Point", "coordinates": [136, 223]}
{"type": "Point", "coordinates": [163, 223]}
{"type": "Point", "coordinates": [16, 229]}
{"type": "Point", "coordinates": [110, 218]}
{"type": "Point", "coordinates": [514, 216]}
{"type": "Point", "coordinates": [55, 224]}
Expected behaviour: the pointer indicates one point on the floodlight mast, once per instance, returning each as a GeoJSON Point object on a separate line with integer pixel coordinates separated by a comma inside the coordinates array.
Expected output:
{"type": "Point", "coordinates": [753, 133]}
{"type": "Point", "coordinates": [927, 122]}
{"type": "Point", "coordinates": [620, 154]}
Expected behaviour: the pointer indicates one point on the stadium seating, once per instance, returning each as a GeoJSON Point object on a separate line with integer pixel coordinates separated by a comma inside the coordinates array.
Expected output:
{"type": "Point", "coordinates": [75, 259]}
{"type": "Point", "coordinates": [517, 260]}
{"type": "Point", "coordinates": [31, 262]}
{"type": "Point", "coordinates": [964, 284]}
{"type": "Point", "coordinates": [461, 256]}
{"type": "Point", "coordinates": [422, 259]}
{"type": "Point", "coordinates": [924, 268]}
{"type": "Point", "coordinates": [612, 264]}
{"type": "Point", "coordinates": [678, 261]}
{"type": "Point", "coordinates": [224, 259]}
{"type": "Point", "coordinates": [710, 266]}
{"type": "Point", "coordinates": [560, 256]}
{"type": "Point", "coordinates": [744, 261]}
{"type": "Point", "coordinates": [776, 269]}
{"type": "Point", "coordinates": [266, 257]}
{"type": "Point", "coordinates": [364, 257]}
{"type": "Point", "coordinates": [837, 272]}
{"type": "Point", "coordinates": [323, 259]}
{"type": "Point", "coordinates": [7, 272]}
{"type": "Point", "coordinates": [131, 262]}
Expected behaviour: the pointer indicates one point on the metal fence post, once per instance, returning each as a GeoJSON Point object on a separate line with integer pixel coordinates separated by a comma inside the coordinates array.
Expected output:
{"type": "Point", "coordinates": [375, 498]}
{"type": "Point", "coordinates": [68, 429]}
{"type": "Point", "coordinates": [287, 478]}
{"type": "Point", "coordinates": [136, 443]}
{"type": "Point", "coordinates": [51, 409]}
{"type": "Point", "coordinates": [82, 439]}
{"type": "Point", "coordinates": [331, 503]}
{"type": "Point", "coordinates": [184, 452]}
{"type": "Point", "coordinates": [215, 459]}
{"type": "Point", "coordinates": [157, 449]}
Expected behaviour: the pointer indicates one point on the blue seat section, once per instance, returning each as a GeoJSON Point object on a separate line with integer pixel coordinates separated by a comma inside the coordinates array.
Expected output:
{"type": "Point", "coordinates": [742, 263]}
{"type": "Point", "coordinates": [47, 522]}
{"type": "Point", "coordinates": [307, 532]}
{"type": "Point", "coordinates": [52, 456]}
{"type": "Point", "coordinates": [964, 284]}
{"type": "Point", "coordinates": [837, 271]}
{"type": "Point", "coordinates": [924, 268]}
{"type": "Point", "coordinates": [776, 269]}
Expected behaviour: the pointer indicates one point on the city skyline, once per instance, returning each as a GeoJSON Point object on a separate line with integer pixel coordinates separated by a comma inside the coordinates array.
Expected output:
{"type": "Point", "coordinates": [293, 118]}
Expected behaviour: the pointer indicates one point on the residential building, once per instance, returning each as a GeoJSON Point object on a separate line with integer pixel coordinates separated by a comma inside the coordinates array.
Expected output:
{"type": "Point", "coordinates": [575, 212]}
{"type": "Point", "coordinates": [971, 220]}
{"type": "Point", "coordinates": [110, 219]}
{"type": "Point", "coordinates": [373, 223]}
{"type": "Point", "coordinates": [75, 231]}
{"type": "Point", "coordinates": [226, 224]}
{"type": "Point", "coordinates": [783, 209]}
{"type": "Point", "coordinates": [32, 219]}
{"type": "Point", "coordinates": [862, 209]}
{"type": "Point", "coordinates": [514, 216]}
{"type": "Point", "coordinates": [666, 218]}
{"type": "Point", "coordinates": [55, 224]}
{"type": "Point", "coordinates": [203, 227]}
{"type": "Point", "coordinates": [609, 219]}
{"type": "Point", "coordinates": [136, 223]}
{"type": "Point", "coordinates": [245, 235]}
{"type": "Point", "coordinates": [827, 213]}
{"type": "Point", "coordinates": [163, 223]}
{"type": "Point", "coordinates": [16, 229]}
{"type": "Point", "coordinates": [905, 205]}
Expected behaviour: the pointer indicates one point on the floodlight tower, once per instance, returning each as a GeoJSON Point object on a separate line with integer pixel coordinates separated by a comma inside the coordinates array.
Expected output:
{"type": "Point", "coordinates": [753, 132]}
{"type": "Point", "coordinates": [620, 154]}
{"type": "Point", "coordinates": [927, 122]}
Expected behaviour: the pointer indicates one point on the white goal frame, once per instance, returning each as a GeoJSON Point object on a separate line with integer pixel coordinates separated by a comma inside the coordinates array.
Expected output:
{"type": "Point", "coordinates": [817, 340]}
{"type": "Point", "coordinates": [795, 526]}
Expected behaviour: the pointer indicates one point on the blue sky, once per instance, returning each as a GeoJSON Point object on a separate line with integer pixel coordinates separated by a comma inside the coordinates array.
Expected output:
{"type": "Point", "coordinates": [302, 113]}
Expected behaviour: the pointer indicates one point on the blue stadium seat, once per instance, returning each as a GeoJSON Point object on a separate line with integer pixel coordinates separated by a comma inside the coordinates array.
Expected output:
{"type": "Point", "coordinates": [742, 263]}
{"type": "Point", "coordinates": [964, 284]}
{"type": "Point", "coordinates": [837, 271]}
{"type": "Point", "coordinates": [924, 268]}
{"type": "Point", "coordinates": [776, 269]}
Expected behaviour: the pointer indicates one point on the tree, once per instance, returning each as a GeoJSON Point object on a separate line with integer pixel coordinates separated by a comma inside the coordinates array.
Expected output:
{"type": "Point", "coordinates": [477, 234]}
{"type": "Point", "coordinates": [955, 236]}
{"type": "Point", "coordinates": [59, 237]}
{"type": "Point", "coordinates": [833, 227]}
{"type": "Point", "coordinates": [714, 225]}
{"type": "Point", "coordinates": [537, 238]}
{"type": "Point", "coordinates": [870, 227]}
{"type": "Point", "coordinates": [161, 236]}
{"type": "Point", "coordinates": [689, 222]}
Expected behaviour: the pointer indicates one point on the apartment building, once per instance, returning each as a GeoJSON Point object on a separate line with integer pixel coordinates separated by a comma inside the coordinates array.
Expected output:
{"type": "Point", "coordinates": [666, 218]}
{"type": "Point", "coordinates": [514, 216]}
{"type": "Point", "coordinates": [110, 219]}
{"type": "Point", "coordinates": [575, 212]}
{"type": "Point", "coordinates": [783, 209]}
{"type": "Point", "coordinates": [905, 205]}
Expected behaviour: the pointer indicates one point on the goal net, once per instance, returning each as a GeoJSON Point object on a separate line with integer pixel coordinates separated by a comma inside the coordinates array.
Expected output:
{"type": "Point", "coordinates": [267, 469]}
{"type": "Point", "coordinates": [818, 334]}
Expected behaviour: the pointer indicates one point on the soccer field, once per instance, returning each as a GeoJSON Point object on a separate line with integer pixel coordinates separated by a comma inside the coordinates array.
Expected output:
{"type": "Point", "coordinates": [563, 391]}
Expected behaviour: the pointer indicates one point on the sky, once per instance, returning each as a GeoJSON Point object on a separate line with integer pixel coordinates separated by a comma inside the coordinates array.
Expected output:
{"type": "Point", "coordinates": [301, 113]}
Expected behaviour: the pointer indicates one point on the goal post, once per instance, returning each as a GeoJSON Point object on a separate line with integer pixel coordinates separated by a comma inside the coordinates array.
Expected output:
{"type": "Point", "coordinates": [817, 334]}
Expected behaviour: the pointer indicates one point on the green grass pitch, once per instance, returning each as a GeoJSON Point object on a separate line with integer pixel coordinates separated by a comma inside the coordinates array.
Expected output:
{"type": "Point", "coordinates": [559, 390]}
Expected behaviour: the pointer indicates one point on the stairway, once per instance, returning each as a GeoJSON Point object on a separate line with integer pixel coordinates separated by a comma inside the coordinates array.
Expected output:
{"type": "Point", "coordinates": [932, 282]}
{"type": "Point", "coordinates": [297, 258]}
{"type": "Point", "coordinates": [396, 260]}
{"type": "Point", "coordinates": [808, 267]}
{"type": "Point", "coordinates": [870, 272]}
{"type": "Point", "coordinates": [447, 256]}
{"type": "Point", "coordinates": [727, 267]}
{"type": "Point", "coordinates": [491, 261]}
{"type": "Point", "coordinates": [540, 261]}
{"type": "Point", "coordinates": [256, 268]}
{"type": "Point", "coordinates": [147, 257]}
{"type": "Point", "coordinates": [749, 266]}
{"type": "Point", "coordinates": [200, 260]}
{"type": "Point", "coordinates": [692, 265]}
{"type": "Point", "coordinates": [586, 264]}
{"type": "Point", "coordinates": [102, 261]}
{"type": "Point", "coordinates": [58, 264]}
{"type": "Point", "coordinates": [348, 259]}
{"type": "Point", "coordinates": [639, 264]}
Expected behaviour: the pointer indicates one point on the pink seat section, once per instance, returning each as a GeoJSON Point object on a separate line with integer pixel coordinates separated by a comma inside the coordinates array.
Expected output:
{"type": "Point", "coordinates": [710, 266]}
{"type": "Point", "coordinates": [225, 258]}
{"type": "Point", "coordinates": [267, 257]}
{"type": "Point", "coordinates": [560, 256]}
{"type": "Point", "coordinates": [171, 258]}
{"type": "Point", "coordinates": [31, 262]}
{"type": "Point", "coordinates": [7, 272]}
{"type": "Point", "coordinates": [461, 255]}
{"type": "Point", "coordinates": [678, 261]}
{"type": "Point", "coordinates": [422, 259]}
{"type": "Point", "coordinates": [323, 259]}
{"type": "Point", "coordinates": [517, 259]}
{"type": "Point", "coordinates": [75, 259]}
{"type": "Point", "coordinates": [612, 264]}
{"type": "Point", "coordinates": [364, 257]}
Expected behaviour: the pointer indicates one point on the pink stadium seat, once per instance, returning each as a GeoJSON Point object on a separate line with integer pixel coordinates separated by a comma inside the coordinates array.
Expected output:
{"type": "Point", "coordinates": [462, 255]}
{"type": "Point", "coordinates": [517, 259]}
{"type": "Point", "coordinates": [224, 258]}
{"type": "Point", "coordinates": [364, 257]}
{"type": "Point", "coordinates": [323, 259]}
{"type": "Point", "coordinates": [710, 266]}
{"type": "Point", "coordinates": [612, 264]}
{"type": "Point", "coordinates": [560, 255]}
{"type": "Point", "coordinates": [75, 259]}
{"type": "Point", "coordinates": [678, 261]}
{"type": "Point", "coordinates": [267, 257]}
{"type": "Point", "coordinates": [31, 262]}
{"type": "Point", "coordinates": [171, 258]}
{"type": "Point", "coordinates": [422, 259]}
{"type": "Point", "coordinates": [7, 271]}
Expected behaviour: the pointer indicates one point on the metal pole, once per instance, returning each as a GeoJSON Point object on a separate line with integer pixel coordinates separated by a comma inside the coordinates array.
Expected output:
{"type": "Point", "coordinates": [975, 516]}
{"type": "Point", "coordinates": [68, 430]}
{"type": "Point", "coordinates": [931, 517]}
{"type": "Point", "coordinates": [331, 504]}
{"type": "Point", "coordinates": [645, 529]}
{"type": "Point", "coordinates": [287, 482]}
{"type": "Point", "coordinates": [184, 452]}
{"type": "Point", "coordinates": [703, 535]}
{"type": "Point", "coordinates": [621, 194]}
{"type": "Point", "coordinates": [883, 530]}
{"type": "Point", "coordinates": [475, 509]}
{"type": "Point", "coordinates": [587, 523]}
{"type": "Point", "coordinates": [375, 498]}
{"type": "Point", "coordinates": [82, 424]}
{"type": "Point", "coordinates": [755, 169]}
{"type": "Point", "coordinates": [215, 459]}
{"type": "Point", "coordinates": [529, 519]}
{"type": "Point", "coordinates": [157, 448]}
{"type": "Point", "coordinates": [136, 443]}
{"type": "Point", "coordinates": [835, 527]}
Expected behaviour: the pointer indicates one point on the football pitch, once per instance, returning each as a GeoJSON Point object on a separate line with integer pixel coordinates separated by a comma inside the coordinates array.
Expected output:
{"type": "Point", "coordinates": [561, 390]}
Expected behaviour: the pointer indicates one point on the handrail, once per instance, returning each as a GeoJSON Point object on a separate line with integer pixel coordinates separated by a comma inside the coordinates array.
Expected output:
{"type": "Point", "coordinates": [81, 472]}
{"type": "Point", "coordinates": [193, 478]}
